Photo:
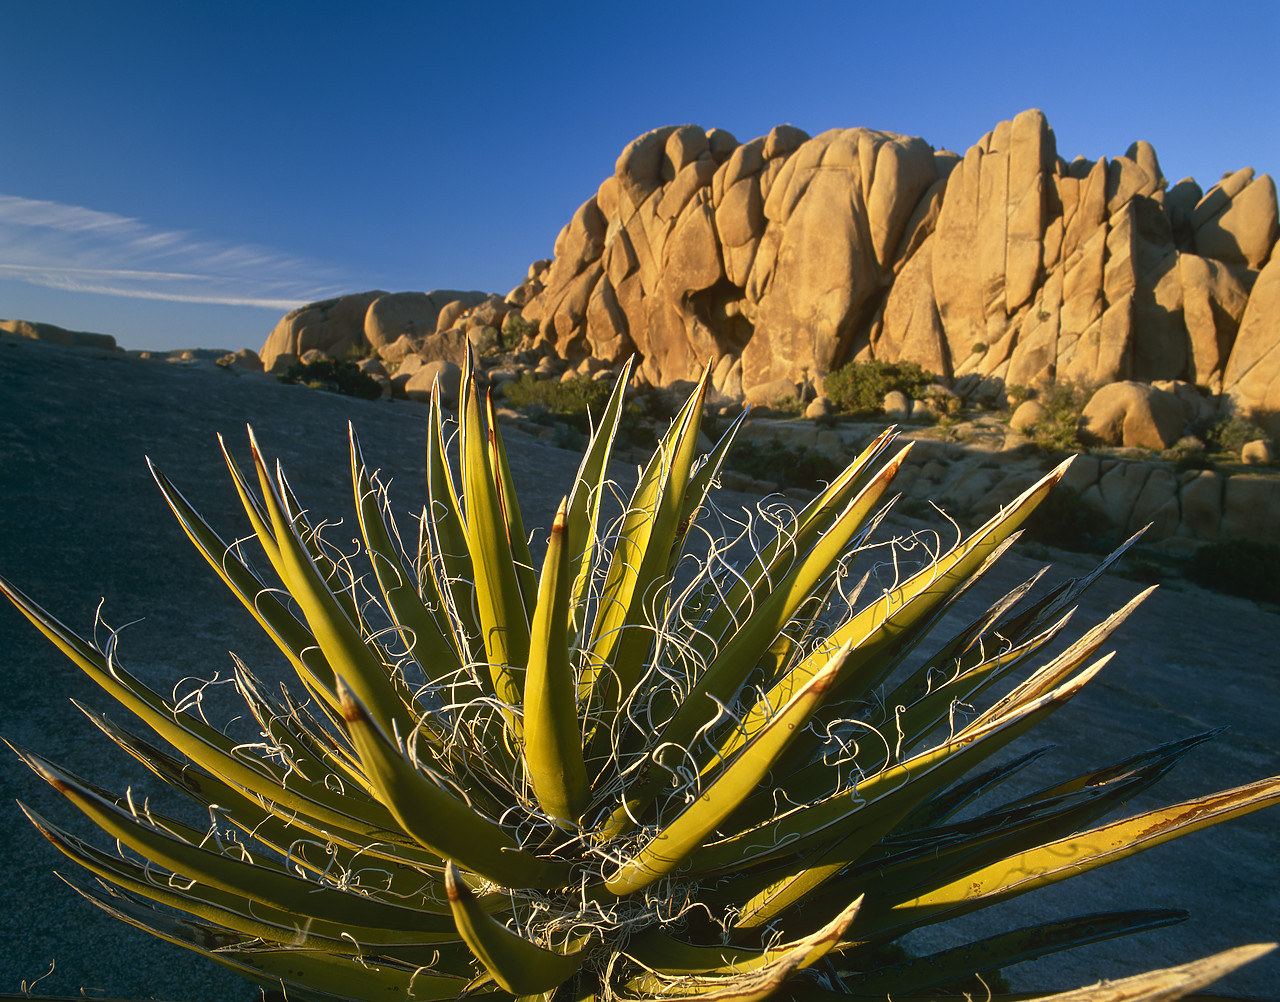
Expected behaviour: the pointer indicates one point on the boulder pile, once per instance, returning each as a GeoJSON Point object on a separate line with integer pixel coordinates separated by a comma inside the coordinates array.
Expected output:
{"type": "Point", "coordinates": [778, 260]}
{"type": "Point", "coordinates": [782, 258]}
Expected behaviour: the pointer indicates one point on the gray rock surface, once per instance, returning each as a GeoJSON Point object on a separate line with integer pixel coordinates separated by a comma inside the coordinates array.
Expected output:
{"type": "Point", "coordinates": [80, 521]}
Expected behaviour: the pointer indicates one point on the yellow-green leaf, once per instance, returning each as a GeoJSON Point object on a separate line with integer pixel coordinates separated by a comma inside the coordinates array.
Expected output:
{"type": "Point", "coordinates": [687, 832]}
{"type": "Point", "coordinates": [553, 739]}
{"type": "Point", "coordinates": [518, 965]}
{"type": "Point", "coordinates": [503, 621]}
{"type": "Point", "coordinates": [436, 818]}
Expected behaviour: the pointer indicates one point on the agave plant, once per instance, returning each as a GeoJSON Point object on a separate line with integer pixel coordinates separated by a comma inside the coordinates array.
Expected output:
{"type": "Point", "coordinates": [675, 762]}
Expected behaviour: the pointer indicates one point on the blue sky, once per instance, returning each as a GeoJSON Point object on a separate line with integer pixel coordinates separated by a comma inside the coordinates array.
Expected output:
{"type": "Point", "coordinates": [181, 174]}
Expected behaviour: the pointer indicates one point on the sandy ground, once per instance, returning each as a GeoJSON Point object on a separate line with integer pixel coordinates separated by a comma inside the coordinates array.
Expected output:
{"type": "Point", "coordinates": [81, 521]}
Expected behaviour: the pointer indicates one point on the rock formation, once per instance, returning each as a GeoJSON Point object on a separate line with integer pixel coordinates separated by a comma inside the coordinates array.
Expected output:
{"type": "Point", "coordinates": [58, 335]}
{"type": "Point", "coordinates": [787, 256]}
{"type": "Point", "coordinates": [364, 320]}
{"type": "Point", "coordinates": [778, 260]}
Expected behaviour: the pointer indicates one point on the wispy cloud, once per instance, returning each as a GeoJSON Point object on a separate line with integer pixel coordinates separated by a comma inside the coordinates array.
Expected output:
{"type": "Point", "coordinates": [84, 250]}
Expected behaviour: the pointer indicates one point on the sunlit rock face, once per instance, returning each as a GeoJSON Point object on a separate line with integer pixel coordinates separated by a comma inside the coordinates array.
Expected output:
{"type": "Point", "coordinates": [784, 257]}
{"type": "Point", "coordinates": [777, 260]}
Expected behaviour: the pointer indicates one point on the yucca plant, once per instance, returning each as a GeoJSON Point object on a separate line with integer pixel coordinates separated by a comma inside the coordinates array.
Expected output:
{"type": "Point", "coordinates": [670, 764]}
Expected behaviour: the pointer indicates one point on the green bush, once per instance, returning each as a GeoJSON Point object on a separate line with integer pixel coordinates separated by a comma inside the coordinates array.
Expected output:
{"type": "Point", "coordinates": [1232, 434]}
{"type": "Point", "coordinates": [361, 351]}
{"type": "Point", "coordinates": [787, 405]}
{"type": "Point", "coordinates": [1184, 461]}
{"type": "Point", "coordinates": [1063, 402]}
{"type": "Point", "coordinates": [334, 375]}
{"type": "Point", "coordinates": [1017, 394]}
{"type": "Point", "coordinates": [1238, 567]}
{"type": "Point", "coordinates": [516, 330]}
{"type": "Point", "coordinates": [567, 401]}
{"type": "Point", "coordinates": [859, 387]}
{"type": "Point", "coordinates": [486, 340]}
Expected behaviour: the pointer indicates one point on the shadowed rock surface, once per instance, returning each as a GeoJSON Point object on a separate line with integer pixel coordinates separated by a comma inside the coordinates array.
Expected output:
{"type": "Point", "coordinates": [81, 520]}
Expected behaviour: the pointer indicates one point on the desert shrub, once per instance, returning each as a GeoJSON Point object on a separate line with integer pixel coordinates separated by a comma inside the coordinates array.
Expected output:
{"type": "Point", "coordinates": [359, 352]}
{"type": "Point", "coordinates": [787, 405]}
{"type": "Point", "coordinates": [1238, 567]}
{"type": "Point", "coordinates": [568, 437]}
{"type": "Point", "coordinates": [859, 387]}
{"type": "Point", "coordinates": [568, 401]}
{"type": "Point", "coordinates": [949, 407]}
{"type": "Point", "coordinates": [1017, 394]}
{"type": "Point", "coordinates": [516, 330]}
{"type": "Point", "coordinates": [335, 375]}
{"type": "Point", "coordinates": [486, 340]}
{"type": "Point", "coordinates": [787, 466]}
{"type": "Point", "coordinates": [1063, 402]}
{"type": "Point", "coordinates": [1231, 434]}
{"type": "Point", "coordinates": [1145, 567]}
{"type": "Point", "coordinates": [1065, 521]}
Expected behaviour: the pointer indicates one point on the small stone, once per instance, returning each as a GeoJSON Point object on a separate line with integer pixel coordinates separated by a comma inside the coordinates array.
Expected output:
{"type": "Point", "coordinates": [819, 407]}
{"type": "Point", "coordinates": [1027, 416]}
{"type": "Point", "coordinates": [897, 405]}
{"type": "Point", "coordinates": [1257, 453]}
{"type": "Point", "coordinates": [925, 409]}
{"type": "Point", "coordinates": [490, 312]}
{"type": "Point", "coordinates": [501, 375]}
{"type": "Point", "coordinates": [407, 368]}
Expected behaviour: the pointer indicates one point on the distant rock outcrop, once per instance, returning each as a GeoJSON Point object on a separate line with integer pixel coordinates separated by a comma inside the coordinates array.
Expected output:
{"type": "Point", "coordinates": [778, 260]}
{"type": "Point", "coordinates": [364, 320]}
{"type": "Point", "coordinates": [58, 335]}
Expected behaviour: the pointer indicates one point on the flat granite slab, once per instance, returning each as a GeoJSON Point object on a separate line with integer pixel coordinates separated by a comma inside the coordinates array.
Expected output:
{"type": "Point", "coordinates": [81, 521]}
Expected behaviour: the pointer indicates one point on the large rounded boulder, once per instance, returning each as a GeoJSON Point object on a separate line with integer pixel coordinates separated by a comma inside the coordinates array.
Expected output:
{"type": "Point", "coordinates": [1132, 414]}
